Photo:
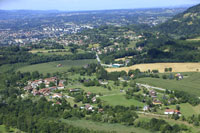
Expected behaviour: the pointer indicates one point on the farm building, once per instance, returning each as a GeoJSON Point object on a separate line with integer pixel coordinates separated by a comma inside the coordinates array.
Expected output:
{"type": "Point", "coordinates": [57, 95]}
{"type": "Point", "coordinates": [171, 112]}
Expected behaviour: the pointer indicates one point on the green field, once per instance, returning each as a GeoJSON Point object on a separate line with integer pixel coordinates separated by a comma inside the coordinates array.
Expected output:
{"type": "Point", "coordinates": [51, 67]}
{"type": "Point", "coordinates": [104, 126]}
{"type": "Point", "coordinates": [11, 67]}
{"type": "Point", "coordinates": [96, 89]}
{"type": "Point", "coordinates": [190, 84]}
{"type": "Point", "coordinates": [50, 51]}
{"type": "Point", "coordinates": [119, 99]}
{"type": "Point", "coordinates": [65, 51]}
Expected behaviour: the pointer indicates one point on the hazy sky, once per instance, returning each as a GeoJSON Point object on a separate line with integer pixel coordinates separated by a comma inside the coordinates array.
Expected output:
{"type": "Point", "coordinates": [90, 4]}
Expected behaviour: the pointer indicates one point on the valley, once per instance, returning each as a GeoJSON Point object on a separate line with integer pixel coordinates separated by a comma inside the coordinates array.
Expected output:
{"type": "Point", "coordinates": [127, 70]}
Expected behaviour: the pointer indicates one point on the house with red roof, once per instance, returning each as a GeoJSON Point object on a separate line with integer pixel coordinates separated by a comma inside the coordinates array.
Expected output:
{"type": "Point", "coordinates": [35, 92]}
{"type": "Point", "coordinates": [48, 80]}
{"type": "Point", "coordinates": [45, 91]}
{"type": "Point", "coordinates": [36, 83]}
{"type": "Point", "coordinates": [88, 94]}
{"type": "Point", "coordinates": [171, 112]}
{"type": "Point", "coordinates": [61, 84]}
{"type": "Point", "coordinates": [28, 88]}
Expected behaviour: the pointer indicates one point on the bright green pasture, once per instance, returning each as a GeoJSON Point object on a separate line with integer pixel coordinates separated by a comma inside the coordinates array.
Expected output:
{"type": "Point", "coordinates": [120, 99]}
{"type": "Point", "coordinates": [190, 83]}
{"type": "Point", "coordinates": [51, 67]}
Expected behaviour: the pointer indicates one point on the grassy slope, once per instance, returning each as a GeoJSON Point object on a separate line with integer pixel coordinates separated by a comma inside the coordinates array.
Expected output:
{"type": "Point", "coordinates": [2, 129]}
{"type": "Point", "coordinates": [51, 67]}
{"type": "Point", "coordinates": [105, 126]}
{"type": "Point", "coordinates": [95, 89]}
{"type": "Point", "coordinates": [190, 84]}
{"type": "Point", "coordinates": [119, 99]}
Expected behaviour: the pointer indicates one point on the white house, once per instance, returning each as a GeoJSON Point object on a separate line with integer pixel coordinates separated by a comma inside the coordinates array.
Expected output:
{"type": "Point", "coordinates": [146, 108]}
{"type": "Point", "coordinates": [61, 84]}
{"type": "Point", "coordinates": [88, 107]}
{"type": "Point", "coordinates": [94, 99]}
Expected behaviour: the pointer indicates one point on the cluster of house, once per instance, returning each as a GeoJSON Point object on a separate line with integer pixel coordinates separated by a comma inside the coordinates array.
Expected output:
{"type": "Point", "coordinates": [33, 86]}
{"type": "Point", "coordinates": [93, 99]}
{"type": "Point", "coordinates": [88, 106]}
{"type": "Point", "coordinates": [153, 94]}
{"type": "Point", "coordinates": [88, 94]}
{"type": "Point", "coordinates": [166, 112]}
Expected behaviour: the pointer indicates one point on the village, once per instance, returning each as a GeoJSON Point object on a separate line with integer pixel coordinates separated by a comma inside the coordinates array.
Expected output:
{"type": "Point", "coordinates": [54, 89]}
{"type": "Point", "coordinates": [51, 89]}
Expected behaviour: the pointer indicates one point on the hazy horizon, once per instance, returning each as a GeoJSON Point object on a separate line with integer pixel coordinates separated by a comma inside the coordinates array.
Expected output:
{"type": "Point", "coordinates": [86, 5]}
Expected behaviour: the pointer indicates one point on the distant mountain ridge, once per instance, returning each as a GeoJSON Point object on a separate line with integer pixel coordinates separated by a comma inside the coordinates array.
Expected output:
{"type": "Point", "coordinates": [184, 24]}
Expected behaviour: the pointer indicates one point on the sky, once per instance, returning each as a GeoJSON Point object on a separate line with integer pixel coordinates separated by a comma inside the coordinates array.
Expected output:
{"type": "Point", "coordinates": [77, 5]}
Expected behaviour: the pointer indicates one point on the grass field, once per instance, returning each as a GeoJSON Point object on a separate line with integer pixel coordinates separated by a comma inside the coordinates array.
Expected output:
{"type": "Point", "coordinates": [11, 67]}
{"type": "Point", "coordinates": [176, 67]}
{"type": "Point", "coordinates": [95, 89]}
{"type": "Point", "coordinates": [54, 51]}
{"type": "Point", "coordinates": [51, 67]}
{"type": "Point", "coordinates": [50, 51]}
{"type": "Point", "coordinates": [104, 126]}
{"type": "Point", "coordinates": [119, 99]}
{"type": "Point", "coordinates": [190, 84]}
{"type": "Point", "coordinates": [2, 129]}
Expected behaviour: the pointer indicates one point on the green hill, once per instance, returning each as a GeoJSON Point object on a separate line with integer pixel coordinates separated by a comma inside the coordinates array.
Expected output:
{"type": "Point", "coordinates": [184, 24]}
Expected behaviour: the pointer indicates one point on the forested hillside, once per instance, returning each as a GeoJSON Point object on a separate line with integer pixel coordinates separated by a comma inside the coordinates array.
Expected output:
{"type": "Point", "coordinates": [184, 24]}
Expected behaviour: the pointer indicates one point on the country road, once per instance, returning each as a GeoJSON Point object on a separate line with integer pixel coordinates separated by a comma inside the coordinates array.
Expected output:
{"type": "Point", "coordinates": [152, 87]}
